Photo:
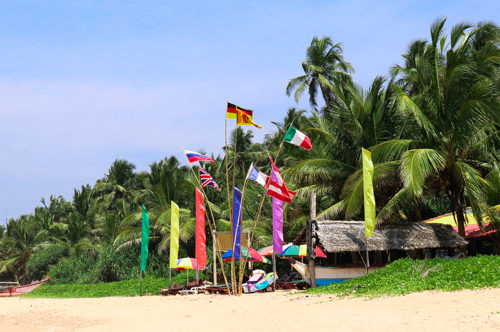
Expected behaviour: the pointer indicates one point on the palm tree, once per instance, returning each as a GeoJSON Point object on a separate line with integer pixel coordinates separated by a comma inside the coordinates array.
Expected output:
{"type": "Point", "coordinates": [323, 67]}
{"type": "Point", "coordinates": [22, 238]}
{"type": "Point", "coordinates": [449, 91]}
{"type": "Point", "coordinates": [356, 119]}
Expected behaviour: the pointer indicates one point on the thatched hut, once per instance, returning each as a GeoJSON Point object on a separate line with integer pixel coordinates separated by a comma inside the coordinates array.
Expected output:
{"type": "Point", "coordinates": [410, 239]}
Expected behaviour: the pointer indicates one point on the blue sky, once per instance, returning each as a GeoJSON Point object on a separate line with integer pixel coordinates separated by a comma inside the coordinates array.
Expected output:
{"type": "Point", "coordinates": [85, 82]}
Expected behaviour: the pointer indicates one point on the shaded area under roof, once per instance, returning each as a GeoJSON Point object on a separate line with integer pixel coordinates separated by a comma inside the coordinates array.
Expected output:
{"type": "Point", "coordinates": [339, 236]}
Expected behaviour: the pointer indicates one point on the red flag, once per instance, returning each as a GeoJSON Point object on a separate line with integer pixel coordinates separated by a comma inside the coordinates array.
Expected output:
{"type": "Point", "coordinates": [201, 237]}
{"type": "Point", "coordinates": [276, 186]}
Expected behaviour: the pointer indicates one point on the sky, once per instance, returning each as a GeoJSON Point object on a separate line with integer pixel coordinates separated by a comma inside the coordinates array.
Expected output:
{"type": "Point", "coordinates": [83, 83]}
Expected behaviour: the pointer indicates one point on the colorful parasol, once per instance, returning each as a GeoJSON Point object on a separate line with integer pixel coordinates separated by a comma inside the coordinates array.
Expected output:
{"type": "Point", "coordinates": [301, 251]}
{"type": "Point", "coordinates": [250, 254]}
{"type": "Point", "coordinates": [268, 251]}
{"type": "Point", "coordinates": [186, 264]}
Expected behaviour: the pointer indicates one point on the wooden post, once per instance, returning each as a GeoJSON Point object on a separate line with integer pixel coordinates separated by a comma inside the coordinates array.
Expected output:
{"type": "Point", "coordinates": [169, 277]}
{"type": "Point", "coordinates": [367, 256]}
{"type": "Point", "coordinates": [215, 257]}
{"type": "Point", "coordinates": [310, 241]}
{"type": "Point", "coordinates": [274, 272]}
{"type": "Point", "coordinates": [140, 283]}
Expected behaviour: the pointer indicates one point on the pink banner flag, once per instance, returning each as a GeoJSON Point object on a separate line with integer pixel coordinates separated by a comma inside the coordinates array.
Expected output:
{"type": "Point", "coordinates": [277, 226]}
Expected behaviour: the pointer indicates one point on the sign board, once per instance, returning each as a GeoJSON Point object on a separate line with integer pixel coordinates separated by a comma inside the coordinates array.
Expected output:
{"type": "Point", "coordinates": [225, 240]}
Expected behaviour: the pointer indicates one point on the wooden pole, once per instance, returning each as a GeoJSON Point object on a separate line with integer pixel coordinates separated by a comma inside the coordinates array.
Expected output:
{"type": "Point", "coordinates": [169, 277]}
{"type": "Point", "coordinates": [310, 241]}
{"type": "Point", "coordinates": [367, 256]}
{"type": "Point", "coordinates": [274, 272]}
{"type": "Point", "coordinates": [210, 222]}
{"type": "Point", "coordinates": [214, 246]}
{"type": "Point", "coordinates": [140, 283]}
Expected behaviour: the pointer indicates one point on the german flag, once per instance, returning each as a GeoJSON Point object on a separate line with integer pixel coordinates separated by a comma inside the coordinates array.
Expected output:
{"type": "Point", "coordinates": [232, 111]}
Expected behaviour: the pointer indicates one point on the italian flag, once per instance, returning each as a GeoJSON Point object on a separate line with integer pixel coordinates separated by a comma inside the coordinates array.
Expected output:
{"type": "Point", "coordinates": [296, 137]}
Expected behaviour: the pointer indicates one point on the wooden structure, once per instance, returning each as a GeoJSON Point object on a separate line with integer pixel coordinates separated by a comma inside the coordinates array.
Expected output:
{"type": "Point", "coordinates": [223, 241]}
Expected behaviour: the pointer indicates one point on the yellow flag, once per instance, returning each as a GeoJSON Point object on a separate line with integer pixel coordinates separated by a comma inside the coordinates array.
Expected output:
{"type": "Point", "coordinates": [369, 196]}
{"type": "Point", "coordinates": [174, 235]}
{"type": "Point", "coordinates": [245, 119]}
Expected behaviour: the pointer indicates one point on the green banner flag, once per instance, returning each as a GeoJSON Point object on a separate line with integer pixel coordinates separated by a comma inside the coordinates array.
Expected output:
{"type": "Point", "coordinates": [369, 196]}
{"type": "Point", "coordinates": [145, 238]}
{"type": "Point", "coordinates": [174, 235]}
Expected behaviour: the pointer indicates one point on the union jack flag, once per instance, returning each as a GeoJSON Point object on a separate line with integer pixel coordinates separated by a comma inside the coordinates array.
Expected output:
{"type": "Point", "coordinates": [207, 180]}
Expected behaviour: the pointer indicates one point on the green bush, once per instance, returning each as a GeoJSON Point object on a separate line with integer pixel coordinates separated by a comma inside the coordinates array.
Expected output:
{"type": "Point", "coordinates": [407, 275]}
{"type": "Point", "coordinates": [40, 262]}
{"type": "Point", "coordinates": [76, 270]}
{"type": "Point", "coordinates": [109, 265]}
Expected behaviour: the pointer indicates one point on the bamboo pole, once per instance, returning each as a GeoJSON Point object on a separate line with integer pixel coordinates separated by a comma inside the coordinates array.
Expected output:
{"type": "Point", "coordinates": [242, 265]}
{"type": "Point", "coordinates": [233, 231]}
{"type": "Point", "coordinates": [209, 223]}
{"type": "Point", "coordinates": [140, 283]}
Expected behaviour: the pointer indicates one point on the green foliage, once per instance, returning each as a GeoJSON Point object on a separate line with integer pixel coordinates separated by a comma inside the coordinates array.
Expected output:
{"type": "Point", "coordinates": [150, 286]}
{"type": "Point", "coordinates": [40, 262]}
{"type": "Point", "coordinates": [406, 276]}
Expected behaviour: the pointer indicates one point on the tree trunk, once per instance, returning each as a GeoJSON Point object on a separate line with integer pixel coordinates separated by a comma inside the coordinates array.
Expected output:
{"type": "Point", "coordinates": [459, 212]}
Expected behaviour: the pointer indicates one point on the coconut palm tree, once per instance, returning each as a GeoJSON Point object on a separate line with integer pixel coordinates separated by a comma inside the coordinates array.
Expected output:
{"type": "Point", "coordinates": [448, 88]}
{"type": "Point", "coordinates": [323, 67]}
{"type": "Point", "coordinates": [22, 238]}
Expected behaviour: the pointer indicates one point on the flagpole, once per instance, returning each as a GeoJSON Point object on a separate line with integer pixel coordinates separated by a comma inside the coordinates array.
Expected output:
{"type": "Point", "coordinates": [264, 196]}
{"type": "Point", "coordinates": [140, 283]}
{"type": "Point", "coordinates": [212, 229]}
{"type": "Point", "coordinates": [169, 277]}
{"type": "Point", "coordinates": [367, 255]}
{"type": "Point", "coordinates": [274, 272]}
{"type": "Point", "coordinates": [233, 272]}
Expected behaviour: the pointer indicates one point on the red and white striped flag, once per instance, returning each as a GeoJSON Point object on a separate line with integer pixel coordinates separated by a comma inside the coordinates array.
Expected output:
{"type": "Point", "coordinates": [276, 186]}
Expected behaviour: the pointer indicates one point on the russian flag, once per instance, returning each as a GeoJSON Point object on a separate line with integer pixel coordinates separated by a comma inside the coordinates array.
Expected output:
{"type": "Point", "coordinates": [195, 156]}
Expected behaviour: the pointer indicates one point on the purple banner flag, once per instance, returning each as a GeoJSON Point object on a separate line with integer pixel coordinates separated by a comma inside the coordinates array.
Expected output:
{"type": "Point", "coordinates": [237, 215]}
{"type": "Point", "coordinates": [277, 226]}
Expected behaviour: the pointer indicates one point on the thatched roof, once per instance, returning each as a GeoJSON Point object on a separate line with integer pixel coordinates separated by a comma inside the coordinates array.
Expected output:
{"type": "Point", "coordinates": [338, 236]}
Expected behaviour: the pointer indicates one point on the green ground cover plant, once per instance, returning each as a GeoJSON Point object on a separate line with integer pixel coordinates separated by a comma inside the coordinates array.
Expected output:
{"type": "Point", "coordinates": [150, 286]}
{"type": "Point", "coordinates": [406, 275]}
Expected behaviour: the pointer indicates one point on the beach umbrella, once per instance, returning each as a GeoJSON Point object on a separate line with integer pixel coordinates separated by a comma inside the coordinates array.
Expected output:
{"type": "Point", "coordinates": [290, 250]}
{"type": "Point", "coordinates": [268, 251]}
{"type": "Point", "coordinates": [303, 251]}
{"type": "Point", "coordinates": [250, 254]}
{"type": "Point", "coordinates": [186, 264]}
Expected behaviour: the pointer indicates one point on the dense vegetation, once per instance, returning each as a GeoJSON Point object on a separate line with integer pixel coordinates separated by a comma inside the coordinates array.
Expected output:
{"type": "Point", "coordinates": [432, 127]}
{"type": "Point", "coordinates": [406, 276]}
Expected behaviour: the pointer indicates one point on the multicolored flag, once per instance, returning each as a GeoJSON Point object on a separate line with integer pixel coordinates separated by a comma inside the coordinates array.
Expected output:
{"type": "Point", "coordinates": [257, 176]}
{"type": "Point", "coordinates": [144, 238]}
{"type": "Point", "coordinates": [237, 217]}
{"type": "Point", "coordinates": [201, 237]}
{"type": "Point", "coordinates": [207, 180]}
{"type": "Point", "coordinates": [298, 138]}
{"type": "Point", "coordinates": [369, 196]}
{"type": "Point", "coordinates": [276, 186]}
{"type": "Point", "coordinates": [243, 119]}
{"type": "Point", "coordinates": [232, 111]}
{"type": "Point", "coordinates": [174, 234]}
{"type": "Point", "coordinates": [277, 226]}
{"type": "Point", "coordinates": [195, 156]}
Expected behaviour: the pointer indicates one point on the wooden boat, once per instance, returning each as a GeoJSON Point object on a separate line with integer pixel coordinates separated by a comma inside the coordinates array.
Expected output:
{"type": "Point", "coordinates": [23, 289]}
{"type": "Point", "coordinates": [327, 275]}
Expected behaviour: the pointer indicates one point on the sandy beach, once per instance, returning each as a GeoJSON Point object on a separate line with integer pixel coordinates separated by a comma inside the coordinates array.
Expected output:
{"type": "Point", "coordinates": [428, 311]}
